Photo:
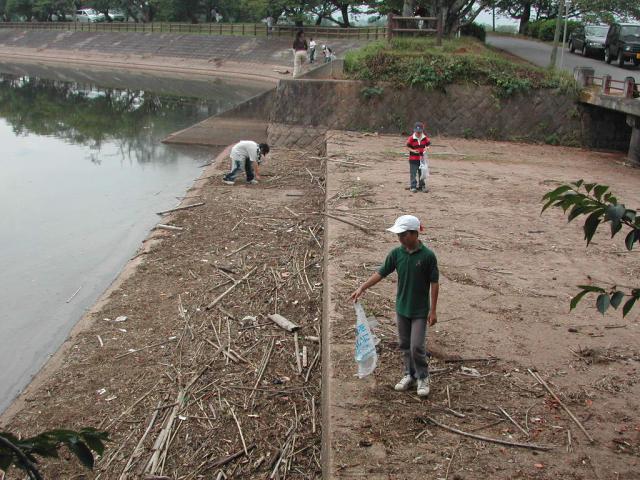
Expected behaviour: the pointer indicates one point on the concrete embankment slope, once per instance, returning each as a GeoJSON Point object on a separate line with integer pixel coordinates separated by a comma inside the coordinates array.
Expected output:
{"type": "Point", "coordinates": [244, 57]}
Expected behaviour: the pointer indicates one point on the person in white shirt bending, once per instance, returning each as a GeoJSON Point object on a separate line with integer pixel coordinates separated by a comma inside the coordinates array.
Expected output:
{"type": "Point", "coordinates": [246, 155]}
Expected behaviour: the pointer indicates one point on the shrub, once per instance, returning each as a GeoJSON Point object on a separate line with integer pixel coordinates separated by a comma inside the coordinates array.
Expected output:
{"type": "Point", "coordinates": [418, 65]}
{"type": "Point", "coordinates": [547, 30]}
{"type": "Point", "coordinates": [533, 28]}
{"type": "Point", "coordinates": [474, 30]}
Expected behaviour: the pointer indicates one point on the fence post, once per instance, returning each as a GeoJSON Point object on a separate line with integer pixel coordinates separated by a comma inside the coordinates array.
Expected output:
{"type": "Point", "coordinates": [606, 84]}
{"type": "Point", "coordinates": [629, 86]}
{"type": "Point", "coordinates": [439, 25]}
{"type": "Point", "coordinates": [390, 21]}
{"type": "Point", "coordinates": [583, 76]}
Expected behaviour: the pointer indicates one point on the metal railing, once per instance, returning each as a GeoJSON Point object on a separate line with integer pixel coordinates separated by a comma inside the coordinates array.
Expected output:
{"type": "Point", "coordinates": [239, 29]}
{"type": "Point", "coordinates": [626, 88]}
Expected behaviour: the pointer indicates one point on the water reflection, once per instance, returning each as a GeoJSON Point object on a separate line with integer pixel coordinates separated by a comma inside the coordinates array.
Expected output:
{"type": "Point", "coordinates": [82, 172]}
{"type": "Point", "coordinates": [136, 120]}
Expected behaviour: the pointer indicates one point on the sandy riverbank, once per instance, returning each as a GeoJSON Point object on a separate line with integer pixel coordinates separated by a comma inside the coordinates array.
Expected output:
{"type": "Point", "coordinates": [114, 375]}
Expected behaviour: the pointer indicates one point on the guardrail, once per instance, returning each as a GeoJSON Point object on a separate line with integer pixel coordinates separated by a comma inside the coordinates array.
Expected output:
{"type": "Point", "coordinates": [627, 88]}
{"type": "Point", "coordinates": [239, 29]}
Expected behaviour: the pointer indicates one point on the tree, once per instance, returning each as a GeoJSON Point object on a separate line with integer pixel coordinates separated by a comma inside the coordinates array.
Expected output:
{"type": "Point", "coordinates": [22, 453]}
{"type": "Point", "coordinates": [600, 206]}
{"type": "Point", "coordinates": [20, 8]}
{"type": "Point", "coordinates": [44, 9]}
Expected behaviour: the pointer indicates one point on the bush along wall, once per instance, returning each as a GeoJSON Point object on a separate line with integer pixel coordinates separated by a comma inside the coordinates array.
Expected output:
{"type": "Point", "coordinates": [412, 63]}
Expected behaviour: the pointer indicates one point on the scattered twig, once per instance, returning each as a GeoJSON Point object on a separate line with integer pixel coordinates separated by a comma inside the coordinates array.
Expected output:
{"type": "Point", "coordinates": [199, 204]}
{"type": "Point", "coordinates": [163, 226]}
{"type": "Point", "coordinates": [233, 413]}
{"type": "Point", "coordinates": [222, 295]}
{"type": "Point", "coordinates": [531, 446]}
{"type": "Point", "coordinates": [75, 293]}
{"type": "Point", "coordinates": [364, 229]}
{"type": "Point", "coordinates": [504, 412]}
{"type": "Point", "coordinates": [566, 409]}
{"type": "Point", "coordinates": [239, 249]}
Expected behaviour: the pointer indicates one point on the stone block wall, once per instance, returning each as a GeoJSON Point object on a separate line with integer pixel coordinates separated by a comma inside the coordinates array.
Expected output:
{"type": "Point", "coordinates": [540, 116]}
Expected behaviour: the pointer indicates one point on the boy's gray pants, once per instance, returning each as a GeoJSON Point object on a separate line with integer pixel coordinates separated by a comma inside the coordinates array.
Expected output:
{"type": "Point", "coordinates": [412, 336]}
{"type": "Point", "coordinates": [416, 179]}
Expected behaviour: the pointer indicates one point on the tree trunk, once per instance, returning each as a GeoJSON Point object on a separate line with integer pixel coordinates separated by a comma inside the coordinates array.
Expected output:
{"type": "Point", "coordinates": [344, 9]}
{"type": "Point", "coordinates": [524, 19]}
{"type": "Point", "coordinates": [408, 7]}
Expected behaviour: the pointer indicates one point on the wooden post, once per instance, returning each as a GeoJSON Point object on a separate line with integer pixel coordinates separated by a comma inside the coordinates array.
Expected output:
{"type": "Point", "coordinates": [390, 26]}
{"type": "Point", "coordinates": [439, 25]}
{"type": "Point", "coordinates": [606, 84]}
{"type": "Point", "coordinates": [629, 86]}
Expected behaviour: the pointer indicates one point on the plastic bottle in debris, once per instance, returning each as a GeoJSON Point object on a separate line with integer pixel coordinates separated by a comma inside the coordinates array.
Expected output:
{"type": "Point", "coordinates": [366, 355]}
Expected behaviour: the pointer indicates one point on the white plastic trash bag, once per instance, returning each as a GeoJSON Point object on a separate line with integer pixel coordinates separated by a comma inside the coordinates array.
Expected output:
{"type": "Point", "coordinates": [424, 166]}
{"type": "Point", "coordinates": [366, 355]}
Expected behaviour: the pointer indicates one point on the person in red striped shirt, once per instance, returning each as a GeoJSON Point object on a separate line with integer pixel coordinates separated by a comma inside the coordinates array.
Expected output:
{"type": "Point", "coordinates": [417, 143]}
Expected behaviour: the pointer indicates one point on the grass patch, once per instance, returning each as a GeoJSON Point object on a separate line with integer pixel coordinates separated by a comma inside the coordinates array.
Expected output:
{"type": "Point", "coordinates": [418, 62]}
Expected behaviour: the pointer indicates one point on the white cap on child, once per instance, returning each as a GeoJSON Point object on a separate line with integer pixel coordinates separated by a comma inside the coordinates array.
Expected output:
{"type": "Point", "coordinates": [405, 223]}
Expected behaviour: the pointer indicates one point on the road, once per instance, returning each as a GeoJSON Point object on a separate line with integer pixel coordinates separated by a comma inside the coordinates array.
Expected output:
{"type": "Point", "coordinates": [539, 53]}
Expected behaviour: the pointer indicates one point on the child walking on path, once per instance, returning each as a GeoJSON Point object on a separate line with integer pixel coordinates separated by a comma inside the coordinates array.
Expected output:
{"type": "Point", "coordinates": [417, 269]}
{"type": "Point", "coordinates": [417, 143]}
{"type": "Point", "coordinates": [246, 155]}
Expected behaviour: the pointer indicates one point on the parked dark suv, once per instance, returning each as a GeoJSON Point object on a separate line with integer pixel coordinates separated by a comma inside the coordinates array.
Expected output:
{"type": "Point", "coordinates": [588, 39]}
{"type": "Point", "coordinates": [623, 43]}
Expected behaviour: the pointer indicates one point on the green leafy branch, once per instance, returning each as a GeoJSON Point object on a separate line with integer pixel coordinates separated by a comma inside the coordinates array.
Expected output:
{"type": "Point", "coordinates": [21, 453]}
{"type": "Point", "coordinates": [599, 205]}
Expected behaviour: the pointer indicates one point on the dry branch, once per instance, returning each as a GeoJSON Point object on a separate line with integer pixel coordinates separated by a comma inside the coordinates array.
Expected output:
{"type": "Point", "coordinates": [530, 446]}
{"type": "Point", "coordinates": [566, 409]}
{"type": "Point", "coordinates": [199, 204]}
{"type": "Point", "coordinates": [222, 295]}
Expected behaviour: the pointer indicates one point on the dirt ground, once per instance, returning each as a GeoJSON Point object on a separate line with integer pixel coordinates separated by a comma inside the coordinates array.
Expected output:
{"type": "Point", "coordinates": [506, 277]}
{"type": "Point", "coordinates": [197, 382]}
{"type": "Point", "coordinates": [179, 386]}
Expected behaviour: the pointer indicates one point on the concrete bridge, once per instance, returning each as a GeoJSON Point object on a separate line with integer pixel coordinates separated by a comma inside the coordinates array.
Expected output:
{"type": "Point", "coordinates": [614, 95]}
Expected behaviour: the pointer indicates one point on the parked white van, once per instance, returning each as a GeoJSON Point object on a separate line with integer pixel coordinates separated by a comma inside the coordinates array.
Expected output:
{"type": "Point", "coordinates": [88, 15]}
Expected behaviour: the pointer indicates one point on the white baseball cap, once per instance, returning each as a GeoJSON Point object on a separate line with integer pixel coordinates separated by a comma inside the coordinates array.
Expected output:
{"type": "Point", "coordinates": [405, 223]}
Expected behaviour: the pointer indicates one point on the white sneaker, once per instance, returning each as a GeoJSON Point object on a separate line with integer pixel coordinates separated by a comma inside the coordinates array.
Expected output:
{"type": "Point", "coordinates": [228, 182]}
{"type": "Point", "coordinates": [423, 387]}
{"type": "Point", "coordinates": [253, 182]}
{"type": "Point", "coordinates": [404, 383]}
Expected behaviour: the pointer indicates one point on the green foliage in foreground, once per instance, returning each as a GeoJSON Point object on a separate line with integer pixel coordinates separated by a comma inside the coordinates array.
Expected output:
{"type": "Point", "coordinates": [22, 453]}
{"type": "Point", "coordinates": [600, 206]}
{"type": "Point", "coordinates": [418, 63]}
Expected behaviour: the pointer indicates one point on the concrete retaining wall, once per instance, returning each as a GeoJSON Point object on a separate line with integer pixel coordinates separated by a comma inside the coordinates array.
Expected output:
{"type": "Point", "coordinates": [540, 116]}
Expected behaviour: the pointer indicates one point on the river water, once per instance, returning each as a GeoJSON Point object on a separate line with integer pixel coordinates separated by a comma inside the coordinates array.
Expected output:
{"type": "Point", "coordinates": [82, 173]}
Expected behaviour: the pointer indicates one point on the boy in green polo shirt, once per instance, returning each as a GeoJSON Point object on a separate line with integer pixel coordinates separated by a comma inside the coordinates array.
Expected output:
{"type": "Point", "coordinates": [417, 269]}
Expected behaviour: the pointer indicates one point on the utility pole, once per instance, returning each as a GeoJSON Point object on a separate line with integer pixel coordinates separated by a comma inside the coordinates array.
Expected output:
{"type": "Point", "coordinates": [556, 36]}
{"type": "Point", "coordinates": [564, 35]}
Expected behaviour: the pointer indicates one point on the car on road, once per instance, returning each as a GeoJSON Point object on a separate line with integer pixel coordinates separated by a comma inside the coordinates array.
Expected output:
{"type": "Point", "coordinates": [88, 15]}
{"type": "Point", "coordinates": [117, 15]}
{"type": "Point", "coordinates": [623, 43]}
{"type": "Point", "coordinates": [588, 39]}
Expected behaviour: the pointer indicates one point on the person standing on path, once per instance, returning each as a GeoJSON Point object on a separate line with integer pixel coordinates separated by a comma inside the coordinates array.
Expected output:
{"type": "Point", "coordinates": [312, 50]}
{"type": "Point", "coordinates": [300, 48]}
{"type": "Point", "coordinates": [417, 143]}
{"type": "Point", "coordinates": [418, 277]}
{"type": "Point", "coordinates": [269, 26]}
{"type": "Point", "coordinates": [246, 155]}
